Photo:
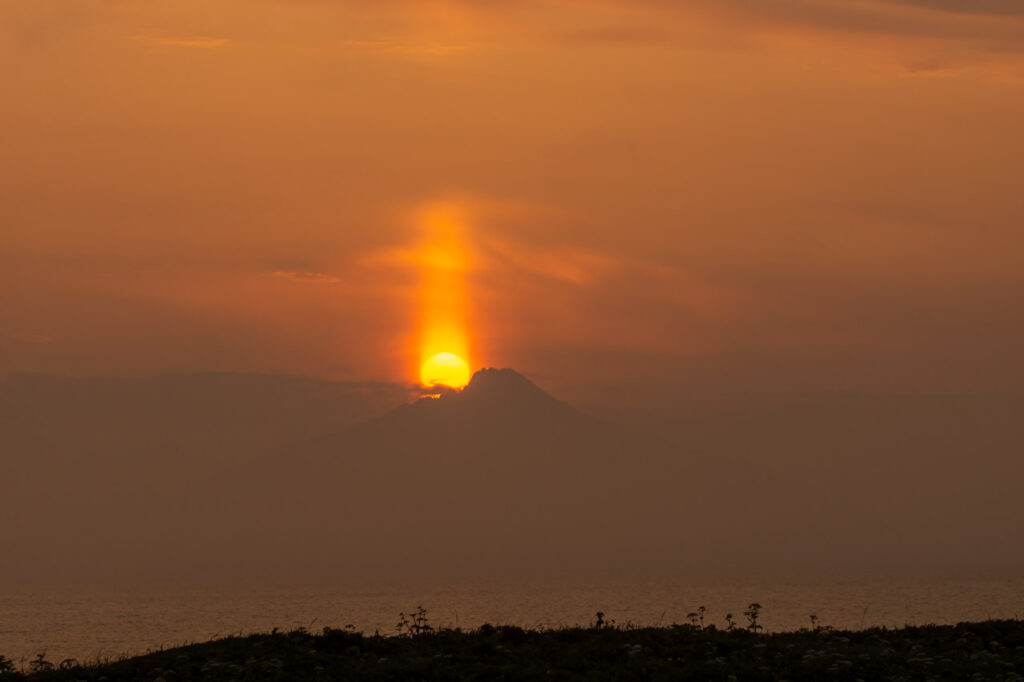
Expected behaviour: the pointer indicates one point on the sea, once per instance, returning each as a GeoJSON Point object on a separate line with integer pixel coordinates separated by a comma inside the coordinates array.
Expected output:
{"type": "Point", "coordinates": [93, 622]}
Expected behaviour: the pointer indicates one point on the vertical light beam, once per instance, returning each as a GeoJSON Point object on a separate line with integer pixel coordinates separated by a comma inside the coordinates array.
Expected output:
{"type": "Point", "coordinates": [443, 259]}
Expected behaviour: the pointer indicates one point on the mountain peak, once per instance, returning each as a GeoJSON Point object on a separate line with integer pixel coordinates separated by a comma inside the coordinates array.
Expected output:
{"type": "Point", "coordinates": [505, 381]}
{"type": "Point", "coordinates": [505, 387]}
{"type": "Point", "coordinates": [504, 391]}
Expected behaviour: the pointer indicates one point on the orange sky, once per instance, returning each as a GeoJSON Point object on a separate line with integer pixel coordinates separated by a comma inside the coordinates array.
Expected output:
{"type": "Point", "coordinates": [775, 195]}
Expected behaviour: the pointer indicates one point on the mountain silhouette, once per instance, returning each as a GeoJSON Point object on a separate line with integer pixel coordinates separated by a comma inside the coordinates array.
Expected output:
{"type": "Point", "coordinates": [504, 389]}
{"type": "Point", "coordinates": [225, 473]}
{"type": "Point", "coordinates": [500, 473]}
{"type": "Point", "coordinates": [496, 403]}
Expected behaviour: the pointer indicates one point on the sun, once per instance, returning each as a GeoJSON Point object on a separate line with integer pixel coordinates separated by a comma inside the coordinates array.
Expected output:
{"type": "Point", "coordinates": [444, 347]}
{"type": "Point", "coordinates": [445, 369]}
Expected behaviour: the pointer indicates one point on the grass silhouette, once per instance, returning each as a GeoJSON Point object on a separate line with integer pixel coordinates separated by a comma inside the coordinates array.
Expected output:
{"type": "Point", "coordinates": [990, 650]}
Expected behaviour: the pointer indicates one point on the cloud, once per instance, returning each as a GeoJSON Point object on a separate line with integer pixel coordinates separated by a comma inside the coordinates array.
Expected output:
{"type": "Point", "coordinates": [617, 35]}
{"type": "Point", "coordinates": [989, 25]}
{"type": "Point", "coordinates": [408, 48]}
{"type": "Point", "coordinates": [566, 264]}
{"type": "Point", "coordinates": [203, 42]}
{"type": "Point", "coordinates": [304, 277]}
{"type": "Point", "coordinates": [992, 7]}
{"type": "Point", "coordinates": [493, 253]}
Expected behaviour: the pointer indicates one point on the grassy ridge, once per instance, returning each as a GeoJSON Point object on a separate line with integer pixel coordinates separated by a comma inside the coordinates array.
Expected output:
{"type": "Point", "coordinates": [991, 650]}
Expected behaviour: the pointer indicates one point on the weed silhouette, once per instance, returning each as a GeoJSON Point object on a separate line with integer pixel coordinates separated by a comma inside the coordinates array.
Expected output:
{"type": "Point", "coordinates": [413, 624]}
{"type": "Point", "coordinates": [816, 625]}
{"type": "Point", "coordinates": [988, 650]}
{"type": "Point", "coordinates": [751, 613]}
{"type": "Point", "coordinates": [40, 664]}
{"type": "Point", "coordinates": [696, 618]}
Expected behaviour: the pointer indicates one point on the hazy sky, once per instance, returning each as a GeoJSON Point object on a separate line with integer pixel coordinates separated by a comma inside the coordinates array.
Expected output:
{"type": "Point", "coordinates": [787, 194]}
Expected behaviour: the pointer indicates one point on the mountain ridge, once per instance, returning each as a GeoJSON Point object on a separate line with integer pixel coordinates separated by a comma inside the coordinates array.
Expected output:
{"type": "Point", "coordinates": [493, 396]}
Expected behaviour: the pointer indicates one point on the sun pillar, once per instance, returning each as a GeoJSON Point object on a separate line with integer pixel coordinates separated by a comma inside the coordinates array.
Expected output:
{"type": "Point", "coordinates": [443, 327]}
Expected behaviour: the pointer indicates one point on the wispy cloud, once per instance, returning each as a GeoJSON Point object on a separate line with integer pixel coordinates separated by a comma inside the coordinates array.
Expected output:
{"type": "Point", "coordinates": [408, 48]}
{"type": "Point", "coordinates": [993, 26]}
{"type": "Point", "coordinates": [566, 264]}
{"type": "Point", "coordinates": [493, 253]}
{"type": "Point", "coordinates": [617, 35]}
{"type": "Point", "coordinates": [994, 7]}
{"type": "Point", "coordinates": [202, 42]}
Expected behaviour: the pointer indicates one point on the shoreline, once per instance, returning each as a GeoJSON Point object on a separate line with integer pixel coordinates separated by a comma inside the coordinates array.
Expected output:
{"type": "Point", "coordinates": [604, 650]}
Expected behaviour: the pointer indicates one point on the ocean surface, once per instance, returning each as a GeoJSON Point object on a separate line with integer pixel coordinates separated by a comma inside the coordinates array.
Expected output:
{"type": "Point", "coordinates": [103, 621]}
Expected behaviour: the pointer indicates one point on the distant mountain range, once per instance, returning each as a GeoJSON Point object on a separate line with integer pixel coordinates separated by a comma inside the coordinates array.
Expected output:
{"type": "Point", "coordinates": [240, 473]}
{"type": "Point", "coordinates": [499, 473]}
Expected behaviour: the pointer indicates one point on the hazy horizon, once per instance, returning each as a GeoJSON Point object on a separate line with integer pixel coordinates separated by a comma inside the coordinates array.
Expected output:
{"type": "Point", "coordinates": [695, 287]}
{"type": "Point", "coordinates": [220, 467]}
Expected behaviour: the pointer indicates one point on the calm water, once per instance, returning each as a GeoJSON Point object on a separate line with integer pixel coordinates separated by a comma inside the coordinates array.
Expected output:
{"type": "Point", "coordinates": [105, 622]}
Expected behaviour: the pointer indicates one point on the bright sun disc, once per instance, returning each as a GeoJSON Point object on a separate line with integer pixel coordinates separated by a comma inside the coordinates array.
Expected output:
{"type": "Point", "coordinates": [445, 369]}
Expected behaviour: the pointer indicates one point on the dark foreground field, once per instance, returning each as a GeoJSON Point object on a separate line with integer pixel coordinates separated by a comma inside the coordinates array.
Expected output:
{"type": "Point", "coordinates": [992, 650]}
